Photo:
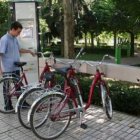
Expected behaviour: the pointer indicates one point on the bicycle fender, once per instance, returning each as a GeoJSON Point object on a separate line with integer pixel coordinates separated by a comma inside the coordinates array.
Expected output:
{"type": "Point", "coordinates": [47, 93]}
{"type": "Point", "coordinates": [24, 94]}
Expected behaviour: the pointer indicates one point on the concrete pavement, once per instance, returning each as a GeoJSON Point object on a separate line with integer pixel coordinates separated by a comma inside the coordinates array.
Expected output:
{"type": "Point", "coordinates": [121, 127]}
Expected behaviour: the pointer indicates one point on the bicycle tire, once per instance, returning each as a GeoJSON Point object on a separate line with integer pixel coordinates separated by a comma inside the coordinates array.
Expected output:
{"type": "Point", "coordinates": [29, 96]}
{"type": "Point", "coordinates": [8, 100]}
{"type": "Point", "coordinates": [106, 101]}
{"type": "Point", "coordinates": [52, 126]}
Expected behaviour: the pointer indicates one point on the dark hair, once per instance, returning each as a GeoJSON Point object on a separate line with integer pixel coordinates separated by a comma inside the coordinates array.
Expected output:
{"type": "Point", "coordinates": [15, 25]}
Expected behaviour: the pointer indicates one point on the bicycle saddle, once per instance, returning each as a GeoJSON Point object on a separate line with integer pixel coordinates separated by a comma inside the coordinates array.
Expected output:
{"type": "Point", "coordinates": [62, 70]}
{"type": "Point", "coordinates": [20, 64]}
{"type": "Point", "coordinates": [49, 76]}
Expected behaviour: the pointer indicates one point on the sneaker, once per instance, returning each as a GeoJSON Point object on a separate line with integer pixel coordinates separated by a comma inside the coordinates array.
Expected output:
{"type": "Point", "coordinates": [25, 105]}
{"type": "Point", "coordinates": [9, 108]}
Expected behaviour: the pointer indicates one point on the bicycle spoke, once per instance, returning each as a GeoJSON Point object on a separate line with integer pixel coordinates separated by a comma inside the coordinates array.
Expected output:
{"type": "Point", "coordinates": [49, 119]}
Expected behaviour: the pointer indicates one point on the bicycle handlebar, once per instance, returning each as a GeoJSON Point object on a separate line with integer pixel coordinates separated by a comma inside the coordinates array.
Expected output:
{"type": "Point", "coordinates": [43, 55]}
{"type": "Point", "coordinates": [81, 50]}
{"type": "Point", "coordinates": [99, 63]}
{"type": "Point", "coordinates": [73, 62]}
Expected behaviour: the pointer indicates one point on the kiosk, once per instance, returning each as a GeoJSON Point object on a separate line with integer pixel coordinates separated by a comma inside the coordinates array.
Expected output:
{"type": "Point", "coordinates": [26, 12]}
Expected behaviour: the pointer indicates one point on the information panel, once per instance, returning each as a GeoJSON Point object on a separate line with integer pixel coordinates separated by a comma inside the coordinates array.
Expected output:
{"type": "Point", "coordinates": [25, 13]}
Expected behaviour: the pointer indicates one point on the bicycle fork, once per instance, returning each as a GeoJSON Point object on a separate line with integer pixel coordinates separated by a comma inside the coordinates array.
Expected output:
{"type": "Point", "coordinates": [80, 111]}
{"type": "Point", "coordinates": [103, 95]}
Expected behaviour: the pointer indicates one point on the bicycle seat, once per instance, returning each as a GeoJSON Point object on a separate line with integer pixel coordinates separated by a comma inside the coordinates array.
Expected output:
{"type": "Point", "coordinates": [62, 70]}
{"type": "Point", "coordinates": [20, 64]}
{"type": "Point", "coordinates": [49, 76]}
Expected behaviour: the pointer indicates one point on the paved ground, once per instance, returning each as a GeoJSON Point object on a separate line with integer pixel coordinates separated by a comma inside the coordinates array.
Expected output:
{"type": "Point", "coordinates": [121, 127]}
{"type": "Point", "coordinates": [129, 60]}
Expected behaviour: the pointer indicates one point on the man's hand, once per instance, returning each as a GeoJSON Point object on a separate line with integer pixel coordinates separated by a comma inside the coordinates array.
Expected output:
{"type": "Point", "coordinates": [27, 51]}
{"type": "Point", "coordinates": [32, 53]}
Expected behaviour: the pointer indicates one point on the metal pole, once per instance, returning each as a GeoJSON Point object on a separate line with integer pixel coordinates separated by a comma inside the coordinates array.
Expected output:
{"type": "Point", "coordinates": [118, 52]}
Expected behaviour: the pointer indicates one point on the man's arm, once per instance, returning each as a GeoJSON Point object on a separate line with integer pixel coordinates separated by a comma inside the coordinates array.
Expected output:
{"type": "Point", "coordinates": [27, 51]}
{"type": "Point", "coordinates": [0, 64]}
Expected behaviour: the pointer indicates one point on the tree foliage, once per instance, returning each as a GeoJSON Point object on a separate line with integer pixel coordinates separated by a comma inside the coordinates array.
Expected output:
{"type": "Point", "coordinates": [3, 17]}
{"type": "Point", "coordinates": [94, 16]}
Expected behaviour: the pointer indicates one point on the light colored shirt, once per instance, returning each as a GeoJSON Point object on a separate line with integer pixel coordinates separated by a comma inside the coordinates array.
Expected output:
{"type": "Point", "coordinates": [9, 50]}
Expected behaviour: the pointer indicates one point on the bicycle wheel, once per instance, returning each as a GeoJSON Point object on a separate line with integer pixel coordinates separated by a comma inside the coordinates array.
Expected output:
{"type": "Point", "coordinates": [25, 102]}
{"type": "Point", "coordinates": [8, 97]}
{"type": "Point", "coordinates": [106, 101]}
{"type": "Point", "coordinates": [48, 116]}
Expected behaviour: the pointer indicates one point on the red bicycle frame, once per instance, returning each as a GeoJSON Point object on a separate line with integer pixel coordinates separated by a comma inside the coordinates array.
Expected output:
{"type": "Point", "coordinates": [24, 82]}
{"type": "Point", "coordinates": [71, 93]}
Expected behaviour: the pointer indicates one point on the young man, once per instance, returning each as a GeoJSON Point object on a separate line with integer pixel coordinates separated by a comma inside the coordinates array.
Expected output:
{"type": "Point", "coordinates": [10, 52]}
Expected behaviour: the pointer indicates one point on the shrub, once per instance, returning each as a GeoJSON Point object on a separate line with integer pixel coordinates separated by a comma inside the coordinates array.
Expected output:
{"type": "Point", "coordinates": [125, 95]}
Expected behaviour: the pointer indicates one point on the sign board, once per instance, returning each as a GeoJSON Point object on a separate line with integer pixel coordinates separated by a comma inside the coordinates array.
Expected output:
{"type": "Point", "coordinates": [25, 13]}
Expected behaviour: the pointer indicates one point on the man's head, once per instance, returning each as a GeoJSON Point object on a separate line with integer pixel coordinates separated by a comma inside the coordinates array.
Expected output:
{"type": "Point", "coordinates": [15, 28]}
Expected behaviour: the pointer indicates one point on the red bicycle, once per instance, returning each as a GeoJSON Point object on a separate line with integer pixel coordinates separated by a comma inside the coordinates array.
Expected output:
{"type": "Point", "coordinates": [12, 86]}
{"type": "Point", "coordinates": [51, 114]}
{"type": "Point", "coordinates": [48, 82]}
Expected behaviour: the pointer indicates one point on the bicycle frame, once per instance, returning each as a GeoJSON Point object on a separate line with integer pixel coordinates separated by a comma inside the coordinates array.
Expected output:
{"type": "Point", "coordinates": [96, 80]}
{"type": "Point", "coordinates": [14, 91]}
{"type": "Point", "coordinates": [71, 93]}
{"type": "Point", "coordinates": [73, 96]}
{"type": "Point", "coordinates": [46, 69]}
{"type": "Point", "coordinates": [67, 103]}
{"type": "Point", "coordinates": [24, 82]}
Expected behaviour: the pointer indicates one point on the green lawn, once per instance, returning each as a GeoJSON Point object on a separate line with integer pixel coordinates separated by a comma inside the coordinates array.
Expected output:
{"type": "Point", "coordinates": [92, 57]}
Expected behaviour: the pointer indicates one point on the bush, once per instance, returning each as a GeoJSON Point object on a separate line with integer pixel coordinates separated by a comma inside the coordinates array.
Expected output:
{"type": "Point", "coordinates": [105, 50]}
{"type": "Point", "coordinates": [55, 49]}
{"type": "Point", "coordinates": [125, 95]}
{"type": "Point", "coordinates": [85, 83]}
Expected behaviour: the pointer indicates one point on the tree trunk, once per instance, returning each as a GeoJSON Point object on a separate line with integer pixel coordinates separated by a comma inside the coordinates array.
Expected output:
{"type": "Point", "coordinates": [115, 39]}
{"type": "Point", "coordinates": [68, 29]}
{"type": "Point", "coordinates": [62, 44]}
{"type": "Point", "coordinates": [85, 39]}
{"type": "Point", "coordinates": [132, 43]}
{"type": "Point", "coordinates": [92, 40]}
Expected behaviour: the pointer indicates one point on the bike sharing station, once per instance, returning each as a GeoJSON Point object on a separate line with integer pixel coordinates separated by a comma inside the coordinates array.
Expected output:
{"type": "Point", "coordinates": [26, 12]}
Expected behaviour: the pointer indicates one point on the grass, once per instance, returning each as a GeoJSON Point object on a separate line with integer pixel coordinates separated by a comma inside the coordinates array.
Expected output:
{"type": "Point", "coordinates": [87, 56]}
{"type": "Point", "coordinates": [92, 57]}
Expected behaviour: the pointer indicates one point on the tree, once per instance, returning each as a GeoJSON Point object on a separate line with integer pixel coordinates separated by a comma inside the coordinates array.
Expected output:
{"type": "Point", "coordinates": [118, 16]}
{"type": "Point", "coordinates": [68, 29]}
{"type": "Point", "coordinates": [4, 17]}
{"type": "Point", "coordinates": [129, 15]}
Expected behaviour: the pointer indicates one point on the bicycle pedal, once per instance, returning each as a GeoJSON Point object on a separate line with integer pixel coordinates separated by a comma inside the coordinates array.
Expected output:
{"type": "Point", "coordinates": [84, 126]}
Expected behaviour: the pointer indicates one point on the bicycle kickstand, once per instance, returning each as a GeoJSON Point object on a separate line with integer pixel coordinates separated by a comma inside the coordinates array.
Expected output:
{"type": "Point", "coordinates": [82, 124]}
